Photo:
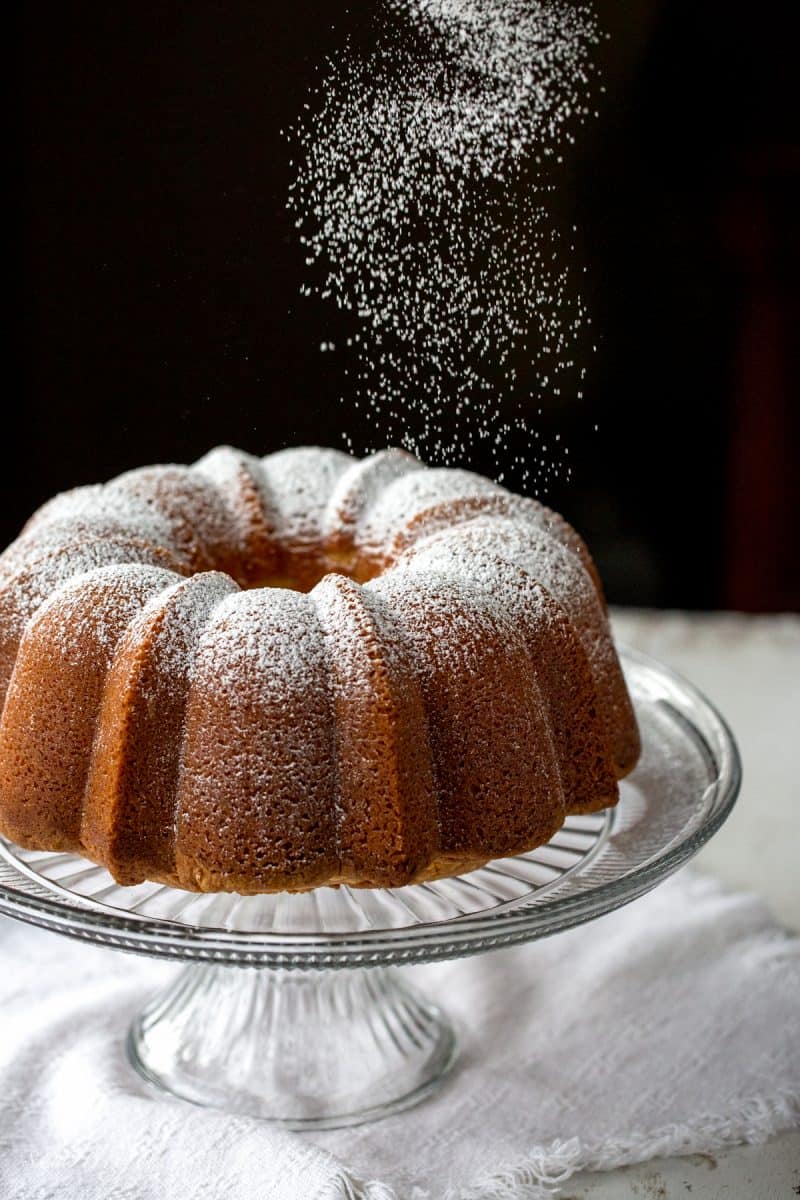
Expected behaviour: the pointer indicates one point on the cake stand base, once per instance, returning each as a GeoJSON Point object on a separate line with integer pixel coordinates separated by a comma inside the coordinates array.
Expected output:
{"type": "Point", "coordinates": [307, 1049]}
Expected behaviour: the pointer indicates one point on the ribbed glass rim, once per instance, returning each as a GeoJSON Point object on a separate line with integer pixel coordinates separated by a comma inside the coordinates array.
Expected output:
{"type": "Point", "coordinates": [579, 898]}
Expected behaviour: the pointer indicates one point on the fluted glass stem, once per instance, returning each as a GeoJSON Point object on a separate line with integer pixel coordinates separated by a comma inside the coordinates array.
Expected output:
{"type": "Point", "coordinates": [306, 1048]}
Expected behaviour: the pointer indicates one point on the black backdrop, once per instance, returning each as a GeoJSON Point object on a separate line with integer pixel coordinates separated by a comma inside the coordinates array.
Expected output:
{"type": "Point", "coordinates": [158, 269]}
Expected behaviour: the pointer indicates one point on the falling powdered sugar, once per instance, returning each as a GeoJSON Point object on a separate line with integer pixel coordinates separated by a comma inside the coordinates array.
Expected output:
{"type": "Point", "coordinates": [422, 200]}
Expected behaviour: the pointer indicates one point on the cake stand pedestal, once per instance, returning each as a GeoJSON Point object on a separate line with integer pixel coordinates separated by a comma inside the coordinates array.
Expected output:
{"type": "Point", "coordinates": [291, 1007]}
{"type": "Point", "coordinates": [302, 1047]}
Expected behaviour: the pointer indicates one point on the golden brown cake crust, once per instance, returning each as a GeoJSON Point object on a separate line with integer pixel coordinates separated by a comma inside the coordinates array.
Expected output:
{"type": "Point", "coordinates": [272, 674]}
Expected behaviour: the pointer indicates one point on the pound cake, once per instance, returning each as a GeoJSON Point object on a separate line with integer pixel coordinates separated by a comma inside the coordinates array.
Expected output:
{"type": "Point", "coordinates": [258, 675]}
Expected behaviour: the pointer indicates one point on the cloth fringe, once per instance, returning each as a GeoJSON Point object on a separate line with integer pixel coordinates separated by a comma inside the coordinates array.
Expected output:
{"type": "Point", "coordinates": [538, 1177]}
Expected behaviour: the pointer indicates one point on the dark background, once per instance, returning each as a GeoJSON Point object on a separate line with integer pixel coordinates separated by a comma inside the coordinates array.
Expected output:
{"type": "Point", "coordinates": [156, 312]}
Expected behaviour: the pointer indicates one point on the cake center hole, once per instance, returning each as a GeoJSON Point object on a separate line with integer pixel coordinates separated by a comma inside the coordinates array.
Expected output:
{"type": "Point", "coordinates": [303, 575]}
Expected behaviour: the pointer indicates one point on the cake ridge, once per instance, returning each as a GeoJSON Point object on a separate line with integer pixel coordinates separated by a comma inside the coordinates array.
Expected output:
{"type": "Point", "coordinates": [145, 694]}
{"type": "Point", "coordinates": [45, 751]}
{"type": "Point", "coordinates": [241, 483]}
{"type": "Point", "coordinates": [476, 683]}
{"type": "Point", "coordinates": [24, 589]}
{"type": "Point", "coordinates": [259, 674]}
{"type": "Point", "coordinates": [564, 576]}
{"type": "Point", "coordinates": [381, 734]}
{"type": "Point", "coordinates": [95, 503]}
{"type": "Point", "coordinates": [403, 497]}
{"type": "Point", "coordinates": [509, 589]}
{"type": "Point", "coordinates": [353, 495]}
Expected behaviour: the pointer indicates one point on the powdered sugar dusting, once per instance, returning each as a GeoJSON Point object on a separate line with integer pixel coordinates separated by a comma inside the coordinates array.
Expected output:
{"type": "Point", "coordinates": [260, 671]}
{"type": "Point", "coordinates": [475, 547]}
{"type": "Point", "coordinates": [221, 466]}
{"type": "Point", "coordinates": [101, 507]}
{"type": "Point", "coordinates": [398, 503]}
{"type": "Point", "coordinates": [422, 201]}
{"type": "Point", "coordinates": [360, 487]}
{"type": "Point", "coordinates": [89, 608]}
{"type": "Point", "coordinates": [200, 528]}
{"type": "Point", "coordinates": [301, 480]}
{"type": "Point", "coordinates": [534, 549]}
{"type": "Point", "coordinates": [22, 594]}
{"type": "Point", "coordinates": [224, 467]}
{"type": "Point", "coordinates": [179, 614]}
{"type": "Point", "coordinates": [457, 624]}
{"type": "Point", "coordinates": [252, 631]}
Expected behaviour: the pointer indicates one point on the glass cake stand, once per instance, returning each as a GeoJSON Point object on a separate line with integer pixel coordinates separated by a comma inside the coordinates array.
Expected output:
{"type": "Point", "coordinates": [291, 1036]}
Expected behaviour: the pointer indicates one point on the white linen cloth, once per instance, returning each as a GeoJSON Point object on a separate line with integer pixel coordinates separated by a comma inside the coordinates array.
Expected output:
{"type": "Point", "coordinates": [671, 1026]}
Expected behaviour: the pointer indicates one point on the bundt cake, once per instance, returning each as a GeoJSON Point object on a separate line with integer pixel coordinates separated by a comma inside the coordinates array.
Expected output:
{"type": "Point", "coordinates": [258, 675]}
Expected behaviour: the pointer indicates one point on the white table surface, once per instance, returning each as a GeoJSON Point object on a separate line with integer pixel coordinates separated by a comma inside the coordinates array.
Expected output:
{"type": "Point", "coordinates": [750, 668]}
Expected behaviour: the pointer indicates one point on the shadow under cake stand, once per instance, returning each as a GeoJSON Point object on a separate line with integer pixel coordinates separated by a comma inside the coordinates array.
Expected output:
{"type": "Point", "coordinates": [292, 1008]}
